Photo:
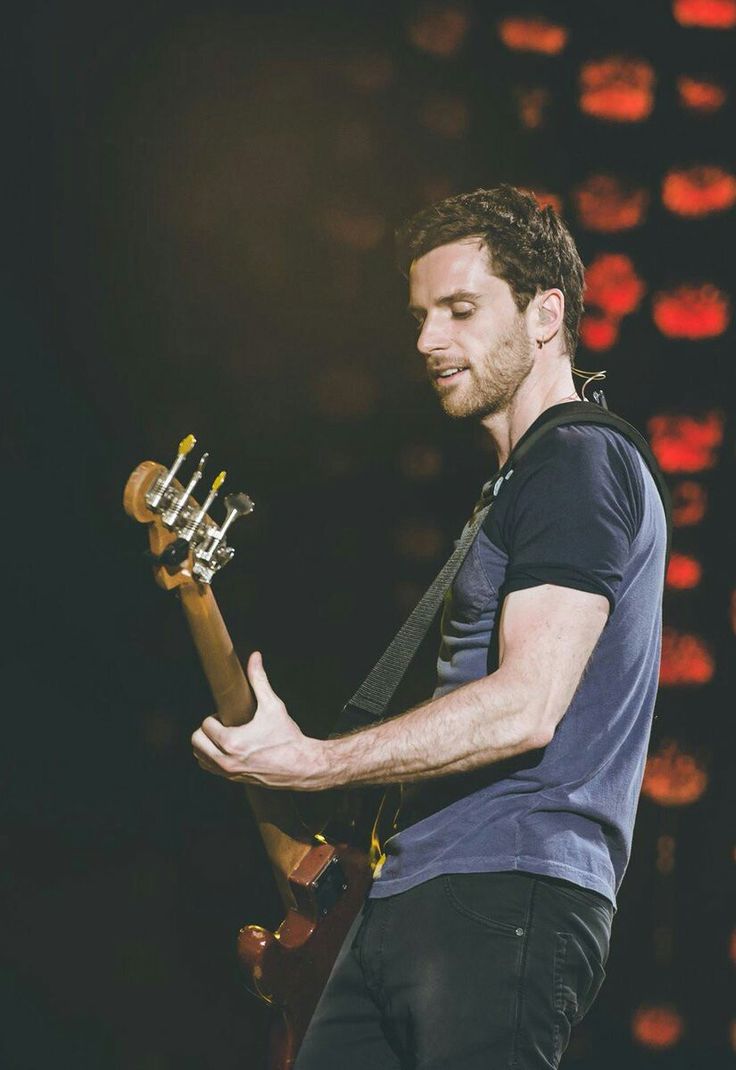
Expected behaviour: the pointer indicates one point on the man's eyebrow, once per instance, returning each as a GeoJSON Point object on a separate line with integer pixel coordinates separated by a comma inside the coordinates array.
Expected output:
{"type": "Point", "coordinates": [450, 299]}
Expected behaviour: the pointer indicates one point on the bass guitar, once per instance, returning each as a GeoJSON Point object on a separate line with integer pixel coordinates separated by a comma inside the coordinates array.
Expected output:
{"type": "Point", "coordinates": [322, 884]}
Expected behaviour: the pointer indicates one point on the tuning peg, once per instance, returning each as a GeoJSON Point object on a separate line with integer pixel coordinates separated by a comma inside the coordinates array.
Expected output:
{"type": "Point", "coordinates": [169, 517]}
{"type": "Point", "coordinates": [216, 484]}
{"type": "Point", "coordinates": [185, 448]}
{"type": "Point", "coordinates": [237, 505]}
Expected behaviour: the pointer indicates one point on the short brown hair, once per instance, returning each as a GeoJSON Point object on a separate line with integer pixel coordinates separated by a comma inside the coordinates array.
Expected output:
{"type": "Point", "coordinates": [528, 246]}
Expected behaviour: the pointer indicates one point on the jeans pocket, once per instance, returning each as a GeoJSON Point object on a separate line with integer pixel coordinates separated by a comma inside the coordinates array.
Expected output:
{"type": "Point", "coordinates": [578, 976]}
{"type": "Point", "coordinates": [482, 897]}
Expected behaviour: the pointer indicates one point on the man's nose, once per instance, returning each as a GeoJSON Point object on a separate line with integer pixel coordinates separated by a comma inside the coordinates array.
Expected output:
{"type": "Point", "coordinates": [432, 337]}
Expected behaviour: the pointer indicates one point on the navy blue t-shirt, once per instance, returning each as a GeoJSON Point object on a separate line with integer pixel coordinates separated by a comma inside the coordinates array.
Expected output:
{"type": "Point", "coordinates": [580, 510]}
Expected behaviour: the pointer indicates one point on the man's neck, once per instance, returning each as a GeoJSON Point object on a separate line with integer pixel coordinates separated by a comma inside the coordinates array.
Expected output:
{"type": "Point", "coordinates": [529, 402]}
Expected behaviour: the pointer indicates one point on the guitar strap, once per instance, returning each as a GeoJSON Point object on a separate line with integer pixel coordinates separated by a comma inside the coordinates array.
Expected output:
{"type": "Point", "coordinates": [370, 702]}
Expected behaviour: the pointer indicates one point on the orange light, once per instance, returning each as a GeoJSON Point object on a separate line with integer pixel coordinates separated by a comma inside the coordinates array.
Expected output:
{"type": "Point", "coordinates": [617, 88]}
{"type": "Point", "coordinates": [691, 311]}
{"type": "Point", "coordinates": [683, 572]}
{"type": "Point", "coordinates": [700, 95]}
{"type": "Point", "coordinates": [686, 443]}
{"type": "Point", "coordinates": [545, 199]}
{"type": "Point", "coordinates": [666, 854]}
{"type": "Point", "coordinates": [439, 30]}
{"type": "Point", "coordinates": [673, 778]}
{"type": "Point", "coordinates": [708, 14]}
{"type": "Point", "coordinates": [598, 331]}
{"type": "Point", "coordinates": [698, 191]}
{"type": "Point", "coordinates": [686, 660]}
{"type": "Point", "coordinates": [658, 1027]}
{"type": "Point", "coordinates": [533, 35]}
{"type": "Point", "coordinates": [532, 104]}
{"type": "Point", "coordinates": [689, 502]}
{"type": "Point", "coordinates": [605, 204]}
{"type": "Point", "coordinates": [611, 283]}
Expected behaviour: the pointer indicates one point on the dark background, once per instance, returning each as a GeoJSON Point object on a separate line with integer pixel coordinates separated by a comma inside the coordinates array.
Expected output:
{"type": "Point", "coordinates": [201, 217]}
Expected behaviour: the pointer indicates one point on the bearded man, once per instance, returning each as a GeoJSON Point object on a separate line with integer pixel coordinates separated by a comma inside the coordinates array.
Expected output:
{"type": "Point", "coordinates": [486, 930]}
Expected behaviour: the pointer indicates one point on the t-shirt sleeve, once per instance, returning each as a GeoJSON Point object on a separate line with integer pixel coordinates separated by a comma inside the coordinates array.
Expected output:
{"type": "Point", "coordinates": [576, 508]}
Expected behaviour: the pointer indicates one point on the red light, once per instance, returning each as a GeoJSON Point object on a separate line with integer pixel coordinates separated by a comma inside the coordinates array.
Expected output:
{"type": "Point", "coordinates": [708, 14]}
{"type": "Point", "coordinates": [692, 312]}
{"type": "Point", "coordinates": [605, 204]}
{"type": "Point", "coordinates": [683, 572]}
{"type": "Point", "coordinates": [598, 331]}
{"type": "Point", "coordinates": [618, 88]}
{"type": "Point", "coordinates": [532, 104]}
{"type": "Point", "coordinates": [657, 1027]}
{"type": "Point", "coordinates": [439, 30]}
{"type": "Point", "coordinates": [686, 443]}
{"type": "Point", "coordinates": [689, 502]}
{"type": "Point", "coordinates": [545, 199]}
{"type": "Point", "coordinates": [611, 283]}
{"type": "Point", "coordinates": [673, 777]}
{"type": "Point", "coordinates": [532, 35]}
{"type": "Point", "coordinates": [700, 95]}
{"type": "Point", "coordinates": [699, 191]}
{"type": "Point", "coordinates": [686, 660]}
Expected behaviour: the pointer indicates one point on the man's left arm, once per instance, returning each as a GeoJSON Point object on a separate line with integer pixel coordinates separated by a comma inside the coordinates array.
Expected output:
{"type": "Point", "coordinates": [547, 633]}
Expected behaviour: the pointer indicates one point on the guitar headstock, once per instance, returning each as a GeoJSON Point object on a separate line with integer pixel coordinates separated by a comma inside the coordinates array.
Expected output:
{"type": "Point", "coordinates": [185, 543]}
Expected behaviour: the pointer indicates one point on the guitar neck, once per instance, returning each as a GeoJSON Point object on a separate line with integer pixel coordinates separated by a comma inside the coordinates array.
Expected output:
{"type": "Point", "coordinates": [284, 835]}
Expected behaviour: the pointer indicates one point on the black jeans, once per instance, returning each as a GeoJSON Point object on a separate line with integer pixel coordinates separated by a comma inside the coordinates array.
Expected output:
{"type": "Point", "coordinates": [463, 972]}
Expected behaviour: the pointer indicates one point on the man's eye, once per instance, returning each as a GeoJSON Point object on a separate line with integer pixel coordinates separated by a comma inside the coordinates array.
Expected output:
{"type": "Point", "coordinates": [462, 313]}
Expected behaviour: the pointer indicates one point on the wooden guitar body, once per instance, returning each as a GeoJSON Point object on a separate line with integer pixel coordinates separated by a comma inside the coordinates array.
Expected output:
{"type": "Point", "coordinates": [288, 969]}
{"type": "Point", "coordinates": [322, 885]}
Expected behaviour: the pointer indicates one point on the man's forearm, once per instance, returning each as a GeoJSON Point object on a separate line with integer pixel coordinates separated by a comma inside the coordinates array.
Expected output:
{"type": "Point", "coordinates": [482, 722]}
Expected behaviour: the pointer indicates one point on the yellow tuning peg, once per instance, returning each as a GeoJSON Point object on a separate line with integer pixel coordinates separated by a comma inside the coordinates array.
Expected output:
{"type": "Point", "coordinates": [187, 445]}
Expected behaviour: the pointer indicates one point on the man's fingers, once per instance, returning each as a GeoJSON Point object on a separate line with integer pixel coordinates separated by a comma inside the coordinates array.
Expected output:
{"type": "Point", "coordinates": [216, 732]}
{"type": "Point", "coordinates": [258, 679]}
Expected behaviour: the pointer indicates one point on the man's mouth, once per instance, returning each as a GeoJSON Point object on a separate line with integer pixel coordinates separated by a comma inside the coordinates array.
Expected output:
{"type": "Point", "coordinates": [448, 374]}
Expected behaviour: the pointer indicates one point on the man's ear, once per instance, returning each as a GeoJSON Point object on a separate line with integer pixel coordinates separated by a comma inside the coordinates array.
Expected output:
{"type": "Point", "coordinates": [550, 314]}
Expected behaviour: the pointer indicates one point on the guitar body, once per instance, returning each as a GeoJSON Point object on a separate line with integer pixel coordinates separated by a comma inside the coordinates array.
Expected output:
{"type": "Point", "coordinates": [288, 969]}
{"type": "Point", "coordinates": [322, 885]}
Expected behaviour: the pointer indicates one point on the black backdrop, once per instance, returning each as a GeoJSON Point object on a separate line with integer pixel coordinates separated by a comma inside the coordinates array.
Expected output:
{"type": "Point", "coordinates": [203, 215]}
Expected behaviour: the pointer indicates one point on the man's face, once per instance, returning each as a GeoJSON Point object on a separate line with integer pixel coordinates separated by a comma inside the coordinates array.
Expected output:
{"type": "Point", "coordinates": [473, 338]}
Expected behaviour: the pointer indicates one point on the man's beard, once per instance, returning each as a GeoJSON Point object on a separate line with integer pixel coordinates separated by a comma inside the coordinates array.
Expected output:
{"type": "Point", "coordinates": [492, 384]}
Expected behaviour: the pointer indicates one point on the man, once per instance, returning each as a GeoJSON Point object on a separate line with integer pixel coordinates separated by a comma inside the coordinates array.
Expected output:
{"type": "Point", "coordinates": [486, 931]}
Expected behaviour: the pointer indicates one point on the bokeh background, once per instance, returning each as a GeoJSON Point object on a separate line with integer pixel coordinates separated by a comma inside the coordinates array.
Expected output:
{"type": "Point", "coordinates": [203, 217]}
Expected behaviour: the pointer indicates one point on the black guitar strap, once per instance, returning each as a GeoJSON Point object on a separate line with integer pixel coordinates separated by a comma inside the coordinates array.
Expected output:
{"type": "Point", "coordinates": [371, 700]}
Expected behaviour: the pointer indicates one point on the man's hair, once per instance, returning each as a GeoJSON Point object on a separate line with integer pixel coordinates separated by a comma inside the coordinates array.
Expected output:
{"type": "Point", "coordinates": [528, 246]}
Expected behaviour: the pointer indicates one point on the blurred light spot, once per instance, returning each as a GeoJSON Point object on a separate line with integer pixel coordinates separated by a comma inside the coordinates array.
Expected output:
{"type": "Point", "coordinates": [345, 393]}
{"type": "Point", "coordinates": [598, 331]}
{"type": "Point", "coordinates": [533, 35]}
{"type": "Point", "coordinates": [732, 947]}
{"type": "Point", "coordinates": [532, 104]}
{"type": "Point", "coordinates": [370, 73]}
{"type": "Point", "coordinates": [700, 94]}
{"type": "Point", "coordinates": [604, 203]}
{"type": "Point", "coordinates": [686, 660]}
{"type": "Point", "coordinates": [683, 572]}
{"type": "Point", "coordinates": [618, 88]}
{"type": "Point", "coordinates": [445, 116]}
{"type": "Point", "coordinates": [357, 228]}
{"type": "Point", "coordinates": [612, 284]}
{"type": "Point", "coordinates": [689, 502]}
{"type": "Point", "coordinates": [545, 199]}
{"type": "Point", "coordinates": [708, 14]}
{"type": "Point", "coordinates": [698, 191]}
{"type": "Point", "coordinates": [420, 461]}
{"type": "Point", "coordinates": [672, 777]}
{"type": "Point", "coordinates": [686, 443]}
{"type": "Point", "coordinates": [439, 30]}
{"type": "Point", "coordinates": [691, 311]}
{"type": "Point", "coordinates": [657, 1027]}
{"type": "Point", "coordinates": [666, 855]}
{"type": "Point", "coordinates": [419, 541]}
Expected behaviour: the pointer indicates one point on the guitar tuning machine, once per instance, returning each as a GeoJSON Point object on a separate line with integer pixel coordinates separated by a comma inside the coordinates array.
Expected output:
{"type": "Point", "coordinates": [195, 531]}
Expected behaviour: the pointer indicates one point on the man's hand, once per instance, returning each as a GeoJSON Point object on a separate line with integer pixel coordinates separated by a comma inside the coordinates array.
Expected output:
{"type": "Point", "coordinates": [271, 750]}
